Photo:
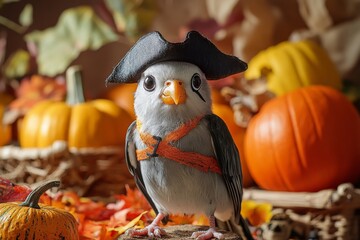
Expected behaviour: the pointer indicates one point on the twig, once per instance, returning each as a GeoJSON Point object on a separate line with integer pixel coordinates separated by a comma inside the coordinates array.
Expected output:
{"type": "Point", "coordinates": [12, 25]}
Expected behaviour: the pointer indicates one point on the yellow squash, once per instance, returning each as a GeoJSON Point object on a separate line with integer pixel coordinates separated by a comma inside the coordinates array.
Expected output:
{"type": "Point", "coordinates": [290, 65]}
{"type": "Point", "coordinates": [96, 123]}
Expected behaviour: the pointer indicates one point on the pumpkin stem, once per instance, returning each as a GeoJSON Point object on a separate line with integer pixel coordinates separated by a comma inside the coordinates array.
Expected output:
{"type": "Point", "coordinates": [32, 200]}
{"type": "Point", "coordinates": [74, 86]}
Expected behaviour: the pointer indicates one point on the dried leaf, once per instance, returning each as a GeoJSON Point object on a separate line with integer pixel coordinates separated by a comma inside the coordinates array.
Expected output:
{"type": "Point", "coordinates": [35, 89]}
{"type": "Point", "coordinates": [11, 192]}
{"type": "Point", "coordinates": [120, 230]}
{"type": "Point", "coordinates": [220, 10]}
{"type": "Point", "coordinates": [256, 213]}
{"type": "Point", "coordinates": [134, 199]}
{"type": "Point", "coordinates": [17, 65]}
{"type": "Point", "coordinates": [26, 15]}
{"type": "Point", "coordinates": [174, 24]}
{"type": "Point", "coordinates": [98, 220]}
{"type": "Point", "coordinates": [78, 29]}
{"type": "Point", "coordinates": [201, 220]}
{"type": "Point", "coordinates": [180, 219]}
{"type": "Point", "coordinates": [93, 230]}
{"type": "Point", "coordinates": [119, 218]}
{"type": "Point", "coordinates": [135, 18]}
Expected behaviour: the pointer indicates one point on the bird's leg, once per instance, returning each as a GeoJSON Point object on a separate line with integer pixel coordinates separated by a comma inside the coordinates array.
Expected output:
{"type": "Point", "coordinates": [210, 233]}
{"type": "Point", "coordinates": [152, 230]}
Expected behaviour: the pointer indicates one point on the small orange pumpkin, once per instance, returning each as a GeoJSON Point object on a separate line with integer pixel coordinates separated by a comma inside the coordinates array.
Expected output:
{"type": "Point", "coordinates": [91, 124]}
{"type": "Point", "coordinates": [226, 113]}
{"type": "Point", "coordinates": [31, 220]}
{"type": "Point", "coordinates": [217, 97]}
{"type": "Point", "coordinates": [306, 140]}
{"type": "Point", "coordinates": [123, 96]}
{"type": "Point", "coordinates": [5, 130]}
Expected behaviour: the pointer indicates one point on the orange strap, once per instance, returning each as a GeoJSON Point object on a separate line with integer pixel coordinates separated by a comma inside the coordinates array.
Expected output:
{"type": "Point", "coordinates": [163, 148]}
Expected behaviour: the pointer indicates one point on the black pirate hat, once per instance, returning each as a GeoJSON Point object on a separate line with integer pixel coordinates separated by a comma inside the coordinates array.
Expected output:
{"type": "Point", "coordinates": [196, 49]}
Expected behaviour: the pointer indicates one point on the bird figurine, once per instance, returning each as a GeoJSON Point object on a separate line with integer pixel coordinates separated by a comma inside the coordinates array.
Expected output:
{"type": "Point", "coordinates": [181, 155]}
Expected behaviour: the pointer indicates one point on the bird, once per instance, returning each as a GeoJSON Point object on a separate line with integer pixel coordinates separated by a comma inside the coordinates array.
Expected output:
{"type": "Point", "coordinates": [181, 154]}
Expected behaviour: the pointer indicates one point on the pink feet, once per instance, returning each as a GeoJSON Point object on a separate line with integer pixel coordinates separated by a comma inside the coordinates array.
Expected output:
{"type": "Point", "coordinates": [209, 234]}
{"type": "Point", "coordinates": [153, 230]}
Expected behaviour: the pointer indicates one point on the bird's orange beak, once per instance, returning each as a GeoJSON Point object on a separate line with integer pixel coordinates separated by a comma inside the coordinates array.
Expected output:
{"type": "Point", "coordinates": [173, 92]}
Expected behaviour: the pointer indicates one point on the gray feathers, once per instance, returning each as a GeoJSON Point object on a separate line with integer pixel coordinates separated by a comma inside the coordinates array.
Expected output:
{"type": "Point", "coordinates": [171, 187]}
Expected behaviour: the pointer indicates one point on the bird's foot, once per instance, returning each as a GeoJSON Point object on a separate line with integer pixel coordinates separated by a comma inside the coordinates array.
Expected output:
{"type": "Point", "coordinates": [151, 231]}
{"type": "Point", "coordinates": [211, 233]}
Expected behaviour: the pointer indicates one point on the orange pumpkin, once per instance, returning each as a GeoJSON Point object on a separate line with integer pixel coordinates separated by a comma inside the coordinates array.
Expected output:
{"type": "Point", "coordinates": [31, 220]}
{"type": "Point", "coordinates": [83, 124]}
{"type": "Point", "coordinates": [216, 96]}
{"type": "Point", "coordinates": [306, 140]}
{"type": "Point", "coordinates": [123, 96]}
{"type": "Point", "coordinates": [5, 130]}
{"type": "Point", "coordinates": [226, 113]}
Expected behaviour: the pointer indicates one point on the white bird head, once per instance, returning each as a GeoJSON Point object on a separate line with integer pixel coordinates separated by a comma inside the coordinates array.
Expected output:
{"type": "Point", "coordinates": [172, 92]}
{"type": "Point", "coordinates": [172, 77]}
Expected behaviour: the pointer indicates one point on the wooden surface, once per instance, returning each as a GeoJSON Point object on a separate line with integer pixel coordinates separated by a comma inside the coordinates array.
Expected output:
{"type": "Point", "coordinates": [183, 232]}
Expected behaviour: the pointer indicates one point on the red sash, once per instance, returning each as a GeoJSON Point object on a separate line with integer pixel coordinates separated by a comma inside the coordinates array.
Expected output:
{"type": "Point", "coordinates": [162, 147]}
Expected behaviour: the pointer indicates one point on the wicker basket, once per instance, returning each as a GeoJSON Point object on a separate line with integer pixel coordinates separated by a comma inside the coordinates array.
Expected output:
{"type": "Point", "coordinates": [328, 214]}
{"type": "Point", "coordinates": [89, 172]}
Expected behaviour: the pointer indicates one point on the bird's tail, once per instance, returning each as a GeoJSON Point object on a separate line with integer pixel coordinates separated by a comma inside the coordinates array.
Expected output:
{"type": "Point", "coordinates": [239, 227]}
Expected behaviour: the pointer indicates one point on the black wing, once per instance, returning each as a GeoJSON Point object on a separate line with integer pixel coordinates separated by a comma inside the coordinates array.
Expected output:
{"type": "Point", "coordinates": [134, 165]}
{"type": "Point", "coordinates": [229, 160]}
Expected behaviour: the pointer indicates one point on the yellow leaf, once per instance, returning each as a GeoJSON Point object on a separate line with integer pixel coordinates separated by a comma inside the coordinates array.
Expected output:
{"type": "Point", "coordinates": [256, 213]}
{"type": "Point", "coordinates": [17, 65]}
{"type": "Point", "coordinates": [120, 230]}
{"type": "Point", "coordinates": [201, 220]}
{"type": "Point", "coordinates": [26, 15]}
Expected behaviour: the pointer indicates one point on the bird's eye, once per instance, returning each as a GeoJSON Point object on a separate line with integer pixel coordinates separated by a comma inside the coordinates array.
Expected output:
{"type": "Point", "coordinates": [149, 83]}
{"type": "Point", "coordinates": [195, 82]}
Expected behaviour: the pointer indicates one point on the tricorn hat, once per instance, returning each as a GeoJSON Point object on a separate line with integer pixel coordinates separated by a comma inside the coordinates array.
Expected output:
{"type": "Point", "coordinates": [196, 49]}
